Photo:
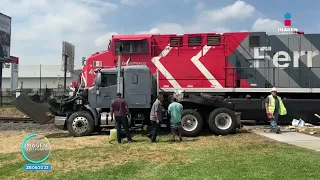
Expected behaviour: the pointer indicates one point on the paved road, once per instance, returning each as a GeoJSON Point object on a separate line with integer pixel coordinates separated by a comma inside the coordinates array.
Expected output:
{"type": "Point", "coordinates": [294, 138]}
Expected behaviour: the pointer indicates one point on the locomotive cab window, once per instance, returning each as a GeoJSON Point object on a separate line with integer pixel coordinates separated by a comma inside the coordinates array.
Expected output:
{"type": "Point", "coordinates": [132, 47]}
{"type": "Point", "coordinates": [108, 80]}
{"type": "Point", "coordinates": [176, 41]}
{"type": "Point", "coordinates": [254, 41]}
{"type": "Point", "coordinates": [214, 40]}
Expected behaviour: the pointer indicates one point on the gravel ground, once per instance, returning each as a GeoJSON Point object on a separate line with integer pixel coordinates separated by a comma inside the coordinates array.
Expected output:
{"type": "Point", "coordinates": [29, 127]}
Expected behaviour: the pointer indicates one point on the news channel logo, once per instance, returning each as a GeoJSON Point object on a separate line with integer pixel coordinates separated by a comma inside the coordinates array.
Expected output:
{"type": "Point", "coordinates": [287, 25]}
{"type": "Point", "coordinates": [287, 19]}
{"type": "Point", "coordinates": [36, 149]}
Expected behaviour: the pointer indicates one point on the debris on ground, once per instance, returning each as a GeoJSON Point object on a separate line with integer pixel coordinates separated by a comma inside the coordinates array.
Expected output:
{"type": "Point", "coordinates": [298, 123]}
{"type": "Point", "coordinates": [307, 129]}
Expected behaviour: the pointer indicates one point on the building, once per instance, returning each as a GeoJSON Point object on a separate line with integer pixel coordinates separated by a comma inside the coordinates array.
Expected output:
{"type": "Point", "coordinates": [34, 76]}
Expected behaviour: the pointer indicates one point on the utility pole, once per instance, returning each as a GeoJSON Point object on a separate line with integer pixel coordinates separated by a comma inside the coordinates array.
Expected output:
{"type": "Point", "coordinates": [40, 81]}
{"type": "Point", "coordinates": [1, 66]}
{"type": "Point", "coordinates": [65, 72]}
{"type": "Point", "coordinates": [58, 82]}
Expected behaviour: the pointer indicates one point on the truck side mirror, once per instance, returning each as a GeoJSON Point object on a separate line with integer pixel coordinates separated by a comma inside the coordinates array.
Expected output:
{"type": "Point", "coordinates": [98, 79]}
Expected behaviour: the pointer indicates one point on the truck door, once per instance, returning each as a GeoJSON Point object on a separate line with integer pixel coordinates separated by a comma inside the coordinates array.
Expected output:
{"type": "Point", "coordinates": [107, 90]}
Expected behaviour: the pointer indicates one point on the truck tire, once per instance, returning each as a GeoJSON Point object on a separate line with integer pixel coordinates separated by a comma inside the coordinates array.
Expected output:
{"type": "Point", "coordinates": [80, 123]}
{"type": "Point", "coordinates": [191, 122]}
{"type": "Point", "coordinates": [222, 121]}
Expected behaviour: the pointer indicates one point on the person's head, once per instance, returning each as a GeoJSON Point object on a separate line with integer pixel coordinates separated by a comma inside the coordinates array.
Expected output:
{"type": "Point", "coordinates": [173, 99]}
{"type": "Point", "coordinates": [274, 91]}
{"type": "Point", "coordinates": [118, 95]}
{"type": "Point", "coordinates": [160, 97]}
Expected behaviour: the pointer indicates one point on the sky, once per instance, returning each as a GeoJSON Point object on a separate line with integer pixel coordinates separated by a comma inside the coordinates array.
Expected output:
{"type": "Point", "coordinates": [40, 26]}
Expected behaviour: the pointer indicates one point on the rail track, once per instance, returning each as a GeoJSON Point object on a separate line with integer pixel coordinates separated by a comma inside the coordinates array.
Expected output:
{"type": "Point", "coordinates": [15, 120]}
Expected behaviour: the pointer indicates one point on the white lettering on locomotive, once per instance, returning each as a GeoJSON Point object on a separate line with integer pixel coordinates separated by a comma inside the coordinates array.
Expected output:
{"type": "Point", "coordinates": [282, 59]}
{"type": "Point", "coordinates": [287, 30]}
{"type": "Point", "coordinates": [134, 63]}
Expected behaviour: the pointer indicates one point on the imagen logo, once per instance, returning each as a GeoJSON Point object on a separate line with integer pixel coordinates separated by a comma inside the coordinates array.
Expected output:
{"type": "Point", "coordinates": [36, 149]}
{"type": "Point", "coordinates": [287, 19]}
{"type": "Point", "coordinates": [287, 29]}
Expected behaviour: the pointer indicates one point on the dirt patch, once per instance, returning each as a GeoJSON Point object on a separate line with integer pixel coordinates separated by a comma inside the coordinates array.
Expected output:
{"type": "Point", "coordinates": [10, 141]}
{"type": "Point", "coordinates": [10, 112]}
{"type": "Point", "coordinates": [103, 157]}
{"type": "Point", "coordinates": [78, 142]}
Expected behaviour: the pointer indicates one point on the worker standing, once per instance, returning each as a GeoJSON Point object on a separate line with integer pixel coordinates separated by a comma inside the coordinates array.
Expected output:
{"type": "Point", "coordinates": [175, 110]}
{"type": "Point", "coordinates": [274, 107]}
{"type": "Point", "coordinates": [119, 107]}
{"type": "Point", "coordinates": [156, 118]}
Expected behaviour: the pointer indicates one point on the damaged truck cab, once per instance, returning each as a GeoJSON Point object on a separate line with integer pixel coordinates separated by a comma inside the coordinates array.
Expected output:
{"type": "Point", "coordinates": [91, 112]}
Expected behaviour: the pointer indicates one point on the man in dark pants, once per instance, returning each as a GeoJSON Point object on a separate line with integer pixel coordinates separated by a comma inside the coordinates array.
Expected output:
{"type": "Point", "coordinates": [156, 118]}
{"type": "Point", "coordinates": [119, 107]}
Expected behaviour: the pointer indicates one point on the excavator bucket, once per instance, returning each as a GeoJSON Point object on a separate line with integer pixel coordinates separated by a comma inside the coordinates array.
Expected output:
{"type": "Point", "coordinates": [38, 112]}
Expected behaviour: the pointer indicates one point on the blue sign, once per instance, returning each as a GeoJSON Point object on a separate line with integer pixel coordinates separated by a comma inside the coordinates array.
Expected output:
{"type": "Point", "coordinates": [37, 167]}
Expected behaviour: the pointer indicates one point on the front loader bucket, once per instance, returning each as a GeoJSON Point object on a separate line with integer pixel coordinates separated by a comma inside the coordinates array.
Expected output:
{"type": "Point", "coordinates": [38, 112]}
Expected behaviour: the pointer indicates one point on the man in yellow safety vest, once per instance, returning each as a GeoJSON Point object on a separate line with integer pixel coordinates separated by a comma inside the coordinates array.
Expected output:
{"type": "Point", "coordinates": [274, 108]}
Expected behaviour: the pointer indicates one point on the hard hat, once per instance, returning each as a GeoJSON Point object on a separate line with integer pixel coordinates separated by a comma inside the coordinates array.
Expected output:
{"type": "Point", "coordinates": [274, 89]}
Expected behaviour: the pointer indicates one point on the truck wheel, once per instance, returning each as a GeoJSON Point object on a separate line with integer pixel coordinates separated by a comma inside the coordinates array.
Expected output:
{"type": "Point", "coordinates": [191, 122]}
{"type": "Point", "coordinates": [80, 124]}
{"type": "Point", "coordinates": [222, 121]}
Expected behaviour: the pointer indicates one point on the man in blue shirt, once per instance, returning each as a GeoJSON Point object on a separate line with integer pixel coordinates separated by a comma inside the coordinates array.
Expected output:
{"type": "Point", "coordinates": [175, 110]}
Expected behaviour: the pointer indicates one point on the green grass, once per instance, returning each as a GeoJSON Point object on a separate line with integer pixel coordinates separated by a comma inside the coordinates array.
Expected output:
{"type": "Point", "coordinates": [241, 156]}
